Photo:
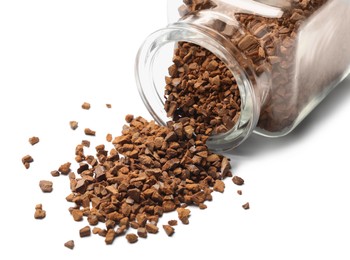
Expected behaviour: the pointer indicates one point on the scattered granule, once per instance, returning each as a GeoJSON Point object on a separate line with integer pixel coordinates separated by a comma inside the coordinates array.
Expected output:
{"type": "Point", "coordinates": [172, 222]}
{"type": "Point", "coordinates": [110, 236]}
{"type": "Point", "coordinates": [34, 140]}
{"type": "Point", "coordinates": [27, 160]}
{"type": "Point", "coordinates": [88, 131]}
{"type": "Point", "coordinates": [202, 206]}
{"type": "Point", "coordinates": [39, 212]}
{"type": "Point", "coordinates": [239, 192]}
{"type": "Point", "coordinates": [96, 230]}
{"type": "Point", "coordinates": [219, 186]}
{"type": "Point", "coordinates": [237, 180]}
{"type": "Point", "coordinates": [77, 214]}
{"type": "Point", "coordinates": [55, 173]}
{"type": "Point", "coordinates": [109, 138]}
{"type": "Point", "coordinates": [108, 105]}
{"type": "Point", "coordinates": [85, 231]}
{"type": "Point", "coordinates": [65, 168]}
{"type": "Point", "coordinates": [86, 106]}
{"type": "Point", "coordinates": [73, 124]}
{"type": "Point", "coordinates": [129, 118]}
{"type": "Point", "coordinates": [46, 186]}
{"type": "Point", "coordinates": [92, 219]}
{"type": "Point", "coordinates": [132, 238]}
{"type": "Point", "coordinates": [169, 230]}
{"type": "Point", "coordinates": [151, 228]}
{"type": "Point", "coordinates": [85, 143]}
{"type": "Point", "coordinates": [183, 215]}
{"type": "Point", "coordinates": [142, 232]}
{"type": "Point", "coordinates": [69, 244]}
{"type": "Point", "coordinates": [246, 205]}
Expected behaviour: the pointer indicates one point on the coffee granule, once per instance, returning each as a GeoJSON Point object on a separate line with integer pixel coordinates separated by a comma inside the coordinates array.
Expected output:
{"type": "Point", "coordinates": [172, 222]}
{"type": "Point", "coordinates": [39, 212]}
{"type": "Point", "coordinates": [73, 124]}
{"type": "Point", "coordinates": [169, 230]}
{"type": "Point", "coordinates": [86, 106]}
{"type": "Point", "coordinates": [108, 105]}
{"type": "Point", "coordinates": [88, 131]}
{"type": "Point", "coordinates": [34, 140]}
{"type": "Point", "coordinates": [65, 168]}
{"type": "Point", "coordinates": [142, 232]}
{"type": "Point", "coordinates": [77, 214]}
{"type": "Point", "coordinates": [85, 143]}
{"type": "Point", "coordinates": [85, 231]}
{"type": "Point", "coordinates": [46, 186]}
{"type": "Point", "coordinates": [55, 173]}
{"type": "Point", "coordinates": [109, 138]}
{"type": "Point", "coordinates": [237, 180]}
{"type": "Point", "coordinates": [27, 160]}
{"type": "Point", "coordinates": [132, 238]}
{"type": "Point", "coordinates": [246, 205]}
{"type": "Point", "coordinates": [69, 244]}
{"type": "Point", "coordinates": [239, 192]}
{"type": "Point", "coordinates": [183, 215]}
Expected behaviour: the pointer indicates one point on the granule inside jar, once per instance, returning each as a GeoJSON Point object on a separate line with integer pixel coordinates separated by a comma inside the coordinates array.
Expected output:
{"type": "Point", "coordinates": [201, 87]}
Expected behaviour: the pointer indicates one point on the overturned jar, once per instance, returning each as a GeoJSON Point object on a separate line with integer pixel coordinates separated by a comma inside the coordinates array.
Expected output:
{"type": "Point", "coordinates": [284, 57]}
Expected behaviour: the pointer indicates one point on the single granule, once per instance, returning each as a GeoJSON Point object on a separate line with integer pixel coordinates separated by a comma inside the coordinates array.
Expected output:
{"type": "Point", "coordinates": [129, 118]}
{"type": "Point", "coordinates": [77, 214]}
{"type": "Point", "coordinates": [39, 212]}
{"type": "Point", "coordinates": [88, 131]}
{"type": "Point", "coordinates": [86, 106]}
{"type": "Point", "coordinates": [142, 232]}
{"type": "Point", "coordinates": [110, 236]}
{"type": "Point", "coordinates": [246, 205]}
{"type": "Point", "coordinates": [55, 173]}
{"type": "Point", "coordinates": [169, 230]}
{"type": "Point", "coordinates": [183, 215]}
{"type": "Point", "coordinates": [73, 124]}
{"type": "Point", "coordinates": [239, 192]}
{"type": "Point", "coordinates": [172, 222]}
{"type": "Point", "coordinates": [109, 138]}
{"type": "Point", "coordinates": [85, 143]}
{"type": "Point", "coordinates": [132, 238]}
{"type": "Point", "coordinates": [219, 186]}
{"type": "Point", "coordinates": [65, 168]}
{"type": "Point", "coordinates": [108, 105]}
{"type": "Point", "coordinates": [27, 160]}
{"type": "Point", "coordinates": [151, 228]}
{"type": "Point", "coordinates": [34, 140]}
{"type": "Point", "coordinates": [46, 186]}
{"type": "Point", "coordinates": [237, 180]}
{"type": "Point", "coordinates": [69, 244]}
{"type": "Point", "coordinates": [85, 231]}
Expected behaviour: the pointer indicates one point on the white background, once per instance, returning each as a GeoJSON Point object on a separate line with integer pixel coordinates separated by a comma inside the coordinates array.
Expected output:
{"type": "Point", "coordinates": [54, 55]}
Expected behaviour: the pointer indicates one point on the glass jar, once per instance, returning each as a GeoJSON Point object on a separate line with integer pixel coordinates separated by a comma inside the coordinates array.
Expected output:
{"type": "Point", "coordinates": [285, 55]}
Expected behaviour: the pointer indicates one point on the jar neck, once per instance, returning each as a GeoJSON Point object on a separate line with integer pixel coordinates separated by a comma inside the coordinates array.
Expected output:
{"type": "Point", "coordinates": [155, 56]}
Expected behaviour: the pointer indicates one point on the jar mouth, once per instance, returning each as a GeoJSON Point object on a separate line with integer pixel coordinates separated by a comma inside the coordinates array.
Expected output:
{"type": "Point", "coordinates": [151, 66]}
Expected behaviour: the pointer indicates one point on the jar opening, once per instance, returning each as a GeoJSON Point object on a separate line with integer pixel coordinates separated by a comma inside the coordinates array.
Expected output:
{"type": "Point", "coordinates": [152, 63]}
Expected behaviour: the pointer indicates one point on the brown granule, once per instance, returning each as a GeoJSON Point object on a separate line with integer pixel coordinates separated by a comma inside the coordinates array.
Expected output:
{"type": "Point", "coordinates": [65, 168]}
{"type": "Point", "coordinates": [169, 230]}
{"type": "Point", "coordinates": [86, 106]}
{"type": "Point", "coordinates": [27, 160]}
{"type": "Point", "coordinates": [239, 192]}
{"type": "Point", "coordinates": [183, 215]}
{"type": "Point", "coordinates": [34, 140]}
{"type": "Point", "coordinates": [219, 186]}
{"type": "Point", "coordinates": [129, 118]}
{"type": "Point", "coordinates": [85, 143]}
{"type": "Point", "coordinates": [108, 105]}
{"type": "Point", "coordinates": [246, 205]}
{"type": "Point", "coordinates": [73, 124]}
{"type": "Point", "coordinates": [77, 214]}
{"type": "Point", "coordinates": [46, 186]}
{"type": "Point", "coordinates": [85, 231]}
{"type": "Point", "coordinates": [109, 138]}
{"type": "Point", "coordinates": [132, 238]}
{"type": "Point", "coordinates": [172, 222]}
{"type": "Point", "coordinates": [39, 212]}
{"type": "Point", "coordinates": [110, 236]}
{"type": "Point", "coordinates": [142, 232]}
{"type": "Point", "coordinates": [237, 180]}
{"type": "Point", "coordinates": [151, 228]}
{"type": "Point", "coordinates": [88, 131]}
{"type": "Point", "coordinates": [55, 173]}
{"type": "Point", "coordinates": [69, 244]}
